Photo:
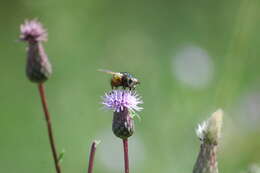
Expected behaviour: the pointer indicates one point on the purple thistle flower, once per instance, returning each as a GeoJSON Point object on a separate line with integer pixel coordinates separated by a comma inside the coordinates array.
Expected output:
{"type": "Point", "coordinates": [124, 103]}
{"type": "Point", "coordinates": [118, 100]}
{"type": "Point", "coordinates": [33, 31]}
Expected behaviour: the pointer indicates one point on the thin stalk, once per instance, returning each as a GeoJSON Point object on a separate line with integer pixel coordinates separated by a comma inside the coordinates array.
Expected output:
{"type": "Point", "coordinates": [125, 143]}
{"type": "Point", "coordinates": [49, 127]}
{"type": "Point", "coordinates": [92, 156]}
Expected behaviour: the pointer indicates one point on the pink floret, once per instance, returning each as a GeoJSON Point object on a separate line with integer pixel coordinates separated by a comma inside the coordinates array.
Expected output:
{"type": "Point", "coordinates": [32, 30]}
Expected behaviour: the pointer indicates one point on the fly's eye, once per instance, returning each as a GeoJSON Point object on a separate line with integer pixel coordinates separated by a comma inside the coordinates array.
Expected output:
{"type": "Point", "coordinates": [130, 81]}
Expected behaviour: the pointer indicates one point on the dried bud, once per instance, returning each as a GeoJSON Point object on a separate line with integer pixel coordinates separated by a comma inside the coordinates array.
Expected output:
{"type": "Point", "coordinates": [124, 103]}
{"type": "Point", "coordinates": [209, 131]}
{"type": "Point", "coordinates": [209, 134]}
{"type": "Point", "coordinates": [38, 67]}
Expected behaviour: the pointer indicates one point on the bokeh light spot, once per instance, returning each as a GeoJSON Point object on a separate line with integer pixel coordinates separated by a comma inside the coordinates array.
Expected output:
{"type": "Point", "coordinates": [249, 110]}
{"type": "Point", "coordinates": [193, 66]}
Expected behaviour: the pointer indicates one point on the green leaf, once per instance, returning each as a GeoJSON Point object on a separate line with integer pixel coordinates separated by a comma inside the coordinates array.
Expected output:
{"type": "Point", "coordinates": [61, 156]}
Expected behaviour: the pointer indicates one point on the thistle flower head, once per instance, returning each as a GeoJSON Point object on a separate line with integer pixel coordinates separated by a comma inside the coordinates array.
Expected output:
{"type": "Point", "coordinates": [209, 131]}
{"type": "Point", "coordinates": [33, 31]}
{"type": "Point", "coordinates": [38, 67]}
{"type": "Point", "coordinates": [118, 100]}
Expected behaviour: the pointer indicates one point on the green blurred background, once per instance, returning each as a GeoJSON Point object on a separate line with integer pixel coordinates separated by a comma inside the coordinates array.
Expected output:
{"type": "Point", "coordinates": [191, 57]}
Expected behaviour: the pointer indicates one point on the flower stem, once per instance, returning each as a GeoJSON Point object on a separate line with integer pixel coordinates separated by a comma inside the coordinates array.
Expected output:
{"type": "Point", "coordinates": [49, 127]}
{"type": "Point", "coordinates": [125, 143]}
{"type": "Point", "coordinates": [92, 156]}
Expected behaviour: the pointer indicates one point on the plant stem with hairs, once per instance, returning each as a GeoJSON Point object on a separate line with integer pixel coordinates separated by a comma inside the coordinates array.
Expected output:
{"type": "Point", "coordinates": [49, 127]}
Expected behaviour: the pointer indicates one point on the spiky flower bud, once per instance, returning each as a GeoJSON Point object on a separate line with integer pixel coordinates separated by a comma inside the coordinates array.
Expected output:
{"type": "Point", "coordinates": [209, 134]}
{"type": "Point", "coordinates": [38, 67]}
{"type": "Point", "coordinates": [124, 103]}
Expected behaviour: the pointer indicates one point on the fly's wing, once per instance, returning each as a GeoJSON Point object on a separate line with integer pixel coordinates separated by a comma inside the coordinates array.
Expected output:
{"type": "Point", "coordinates": [111, 72]}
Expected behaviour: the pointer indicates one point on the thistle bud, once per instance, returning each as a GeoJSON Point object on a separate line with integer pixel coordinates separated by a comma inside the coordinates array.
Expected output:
{"type": "Point", "coordinates": [123, 124]}
{"type": "Point", "coordinates": [124, 103]}
{"type": "Point", "coordinates": [38, 67]}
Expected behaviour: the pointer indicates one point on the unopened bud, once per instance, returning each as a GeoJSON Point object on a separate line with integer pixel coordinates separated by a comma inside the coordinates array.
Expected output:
{"type": "Point", "coordinates": [38, 68]}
